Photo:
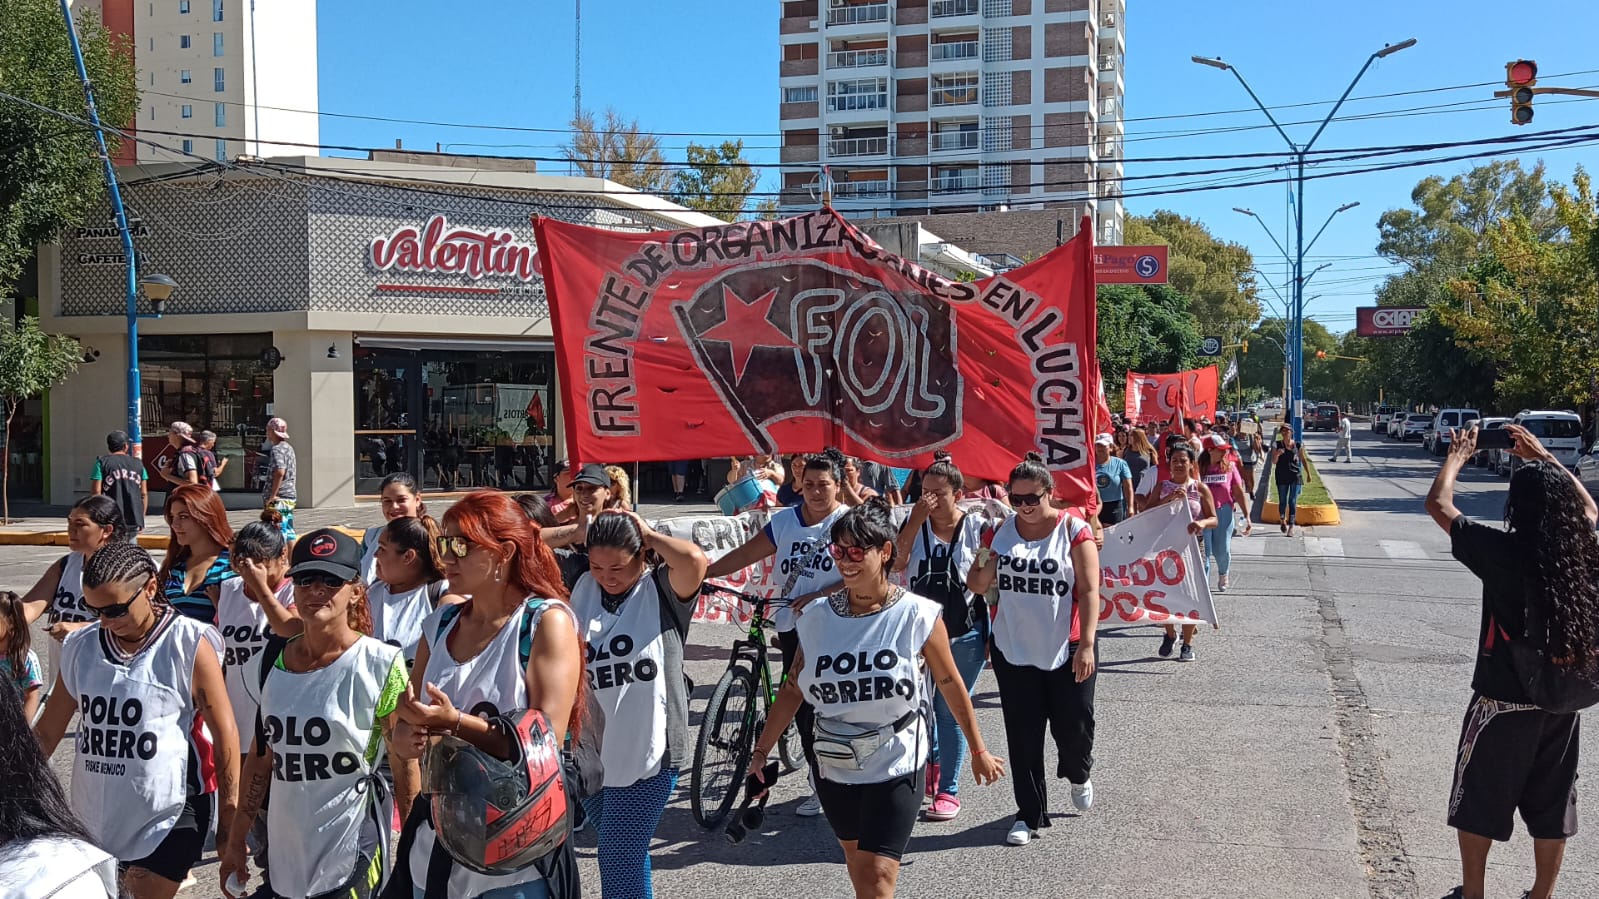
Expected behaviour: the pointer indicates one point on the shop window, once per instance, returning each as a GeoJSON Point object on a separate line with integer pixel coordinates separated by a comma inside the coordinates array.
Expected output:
{"type": "Point", "coordinates": [215, 383]}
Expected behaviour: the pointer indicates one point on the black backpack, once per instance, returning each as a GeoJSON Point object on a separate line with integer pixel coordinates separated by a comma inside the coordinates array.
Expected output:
{"type": "Point", "coordinates": [940, 582]}
{"type": "Point", "coordinates": [1550, 684]}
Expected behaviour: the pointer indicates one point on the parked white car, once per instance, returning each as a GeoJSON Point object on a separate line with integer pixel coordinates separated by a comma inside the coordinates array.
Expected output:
{"type": "Point", "coordinates": [1437, 439]}
{"type": "Point", "coordinates": [1411, 426]}
{"type": "Point", "coordinates": [1380, 419]}
{"type": "Point", "coordinates": [1560, 432]}
{"type": "Point", "coordinates": [1488, 458]}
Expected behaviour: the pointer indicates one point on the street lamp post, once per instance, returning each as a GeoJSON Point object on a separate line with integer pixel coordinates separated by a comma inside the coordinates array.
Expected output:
{"type": "Point", "coordinates": [1299, 152]}
{"type": "Point", "coordinates": [157, 287]}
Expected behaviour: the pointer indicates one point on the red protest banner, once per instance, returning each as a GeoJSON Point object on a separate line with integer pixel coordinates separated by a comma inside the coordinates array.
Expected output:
{"type": "Point", "coordinates": [1159, 397]}
{"type": "Point", "coordinates": [792, 335]}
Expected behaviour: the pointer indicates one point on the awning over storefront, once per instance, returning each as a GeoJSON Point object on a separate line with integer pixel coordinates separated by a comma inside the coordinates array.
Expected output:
{"type": "Point", "coordinates": [465, 344]}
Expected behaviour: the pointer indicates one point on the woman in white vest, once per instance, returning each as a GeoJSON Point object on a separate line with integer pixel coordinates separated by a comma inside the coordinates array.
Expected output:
{"type": "Point", "coordinates": [634, 617]}
{"type": "Point", "coordinates": [251, 608]}
{"type": "Point", "coordinates": [327, 701]}
{"type": "Point", "coordinates": [936, 547]}
{"type": "Point", "coordinates": [45, 852]}
{"type": "Point", "coordinates": [409, 583]}
{"type": "Point", "coordinates": [473, 664]}
{"type": "Point", "coordinates": [864, 659]}
{"type": "Point", "coordinates": [798, 538]}
{"type": "Point", "coordinates": [93, 522]}
{"type": "Point", "coordinates": [1046, 567]}
{"type": "Point", "coordinates": [400, 498]}
{"type": "Point", "coordinates": [140, 675]}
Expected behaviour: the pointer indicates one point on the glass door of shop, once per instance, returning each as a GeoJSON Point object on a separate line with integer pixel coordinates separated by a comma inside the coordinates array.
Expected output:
{"type": "Point", "coordinates": [386, 398]}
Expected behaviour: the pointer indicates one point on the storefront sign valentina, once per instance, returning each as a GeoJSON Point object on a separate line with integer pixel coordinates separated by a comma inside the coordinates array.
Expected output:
{"type": "Point", "coordinates": [441, 248]}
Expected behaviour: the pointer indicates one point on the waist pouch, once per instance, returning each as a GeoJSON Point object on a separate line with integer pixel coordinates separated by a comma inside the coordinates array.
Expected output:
{"type": "Point", "coordinates": [848, 747]}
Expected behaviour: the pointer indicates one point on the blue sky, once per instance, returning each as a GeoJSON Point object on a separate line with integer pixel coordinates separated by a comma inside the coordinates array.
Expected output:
{"type": "Point", "coordinates": [710, 68]}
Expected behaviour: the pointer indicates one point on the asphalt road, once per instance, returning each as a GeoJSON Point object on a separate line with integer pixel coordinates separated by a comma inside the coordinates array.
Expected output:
{"type": "Point", "coordinates": [1307, 753]}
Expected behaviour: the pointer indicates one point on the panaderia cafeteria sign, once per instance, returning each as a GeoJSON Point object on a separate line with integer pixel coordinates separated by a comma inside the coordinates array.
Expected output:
{"type": "Point", "coordinates": [439, 248]}
{"type": "Point", "coordinates": [1385, 321]}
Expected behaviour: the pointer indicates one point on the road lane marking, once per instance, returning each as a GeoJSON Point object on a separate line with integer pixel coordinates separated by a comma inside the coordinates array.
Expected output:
{"type": "Point", "coordinates": [1402, 549]}
{"type": "Point", "coordinates": [1324, 546]}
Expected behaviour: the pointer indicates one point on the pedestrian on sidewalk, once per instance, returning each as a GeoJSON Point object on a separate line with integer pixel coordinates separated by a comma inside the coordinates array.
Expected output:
{"type": "Point", "coordinates": [1250, 450]}
{"type": "Point", "coordinates": [207, 442]}
{"type": "Point", "coordinates": [1346, 432]}
{"type": "Point", "coordinates": [937, 545]}
{"type": "Point", "coordinates": [1543, 570]}
{"type": "Point", "coordinates": [1288, 464]}
{"type": "Point", "coordinates": [1185, 485]}
{"type": "Point", "coordinates": [122, 478]}
{"type": "Point", "coordinates": [186, 465]}
{"type": "Point", "coordinates": [279, 469]}
{"type": "Point", "coordinates": [1046, 567]}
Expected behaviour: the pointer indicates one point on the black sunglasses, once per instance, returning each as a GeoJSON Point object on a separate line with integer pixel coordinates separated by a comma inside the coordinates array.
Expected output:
{"type": "Point", "coordinates": [318, 578]}
{"type": "Point", "coordinates": [117, 610]}
{"type": "Point", "coordinates": [1026, 499]}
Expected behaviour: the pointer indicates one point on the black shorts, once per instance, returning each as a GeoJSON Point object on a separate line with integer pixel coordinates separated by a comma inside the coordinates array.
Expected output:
{"type": "Point", "coordinates": [1513, 758]}
{"type": "Point", "coordinates": [878, 817]}
{"type": "Point", "coordinates": [184, 843]}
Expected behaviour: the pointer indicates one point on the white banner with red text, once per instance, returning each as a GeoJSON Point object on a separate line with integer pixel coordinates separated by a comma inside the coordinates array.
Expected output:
{"type": "Point", "coordinates": [1153, 572]}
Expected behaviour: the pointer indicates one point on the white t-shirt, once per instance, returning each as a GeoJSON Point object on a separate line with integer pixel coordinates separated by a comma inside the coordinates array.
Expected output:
{"type": "Point", "coordinates": [802, 558]}
{"type": "Point", "coordinates": [627, 674]}
{"type": "Point", "coordinates": [369, 553]}
{"type": "Point", "coordinates": [245, 632]}
{"type": "Point", "coordinates": [1345, 428]}
{"type": "Point", "coordinates": [397, 618]}
{"type": "Point", "coordinates": [56, 868]}
{"type": "Point", "coordinates": [1036, 621]}
{"type": "Point", "coordinates": [867, 672]}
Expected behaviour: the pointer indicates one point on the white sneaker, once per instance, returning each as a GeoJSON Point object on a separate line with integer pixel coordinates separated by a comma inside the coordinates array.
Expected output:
{"type": "Point", "coordinates": [810, 808]}
{"type": "Point", "coordinates": [1020, 834]}
{"type": "Point", "coordinates": [1083, 795]}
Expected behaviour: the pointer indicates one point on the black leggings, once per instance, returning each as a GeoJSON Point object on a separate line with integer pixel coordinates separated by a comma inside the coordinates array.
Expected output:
{"type": "Point", "coordinates": [1030, 698]}
{"type": "Point", "coordinates": [805, 718]}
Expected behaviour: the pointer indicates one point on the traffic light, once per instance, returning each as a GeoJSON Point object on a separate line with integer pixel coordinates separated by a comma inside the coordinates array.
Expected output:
{"type": "Point", "coordinates": [1520, 77]}
{"type": "Point", "coordinates": [1321, 354]}
{"type": "Point", "coordinates": [1245, 346]}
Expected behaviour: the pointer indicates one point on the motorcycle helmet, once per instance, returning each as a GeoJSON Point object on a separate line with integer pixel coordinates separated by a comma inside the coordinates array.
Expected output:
{"type": "Point", "coordinates": [495, 816]}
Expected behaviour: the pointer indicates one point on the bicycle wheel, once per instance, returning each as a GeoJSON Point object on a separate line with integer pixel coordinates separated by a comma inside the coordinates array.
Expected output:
{"type": "Point", "coordinates": [727, 733]}
{"type": "Point", "coordinates": [790, 750]}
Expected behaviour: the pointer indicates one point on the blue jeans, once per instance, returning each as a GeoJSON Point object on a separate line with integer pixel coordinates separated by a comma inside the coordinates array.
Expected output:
{"type": "Point", "coordinates": [1288, 502]}
{"type": "Point", "coordinates": [1219, 541]}
{"type": "Point", "coordinates": [948, 741]}
{"type": "Point", "coordinates": [625, 819]}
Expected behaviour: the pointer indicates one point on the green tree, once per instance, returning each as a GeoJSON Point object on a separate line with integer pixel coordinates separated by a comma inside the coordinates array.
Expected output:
{"type": "Point", "coordinates": [618, 150]}
{"type": "Point", "coordinates": [1450, 219]}
{"type": "Point", "coordinates": [717, 181]}
{"type": "Point", "coordinates": [765, 210]}
{"type": "Point", "coordinates": [50, 172]}
{"type": "Point", "coordinates": [1146, 329]}
{"type": "Point", "coordinates": [31, 362]}
{"type": "Point", "coordinates": [1216, 277]}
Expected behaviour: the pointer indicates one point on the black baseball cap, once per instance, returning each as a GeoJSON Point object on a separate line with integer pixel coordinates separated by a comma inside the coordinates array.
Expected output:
{"type": "Point", "coordinates": [326, 551]}
{"type": "Point", "coordinates": [592, 473]}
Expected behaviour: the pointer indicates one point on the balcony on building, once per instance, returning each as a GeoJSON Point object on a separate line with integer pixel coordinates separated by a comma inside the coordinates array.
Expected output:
{"type": "Point", "coordinates": [954, 136]}
{"type": "Point", "coordinates": [1110, 149]}
{"type": "Point", "coordinates": [857, 54]}
{"type": "Point", "coordinates": [1110, 115]}
{"type": "Point", "coordinates": [949, 9]}
{"type": "Point", "coordinates": [861, 184]}
{"type": "Point", "coordinates": [955, 89]}
{"type": "Point", "coordinates": [953, 47]}
{"type": "Point", "coordinates": [954, 181]}
{"type": "Point", "coordinates": [859, 99]}
{"type": "Point", "coordinates": [863, 141]}
{"type": "Point", "coordinates": [842, 13]}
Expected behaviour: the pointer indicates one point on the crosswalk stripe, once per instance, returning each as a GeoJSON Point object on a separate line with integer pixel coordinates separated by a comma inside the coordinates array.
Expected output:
{"type": "Point", "coordinates": [1402, 549]}
{"type": "Point", "coordinates": [1324, 546]}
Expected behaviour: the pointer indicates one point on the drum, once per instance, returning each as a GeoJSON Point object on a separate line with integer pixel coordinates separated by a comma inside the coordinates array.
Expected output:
{"type": "Point", "coordinates": [740, 495]}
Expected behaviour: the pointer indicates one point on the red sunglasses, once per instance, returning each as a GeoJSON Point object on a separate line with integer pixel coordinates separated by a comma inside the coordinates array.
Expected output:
{"type": "Point", "coordinates": [853, 553]}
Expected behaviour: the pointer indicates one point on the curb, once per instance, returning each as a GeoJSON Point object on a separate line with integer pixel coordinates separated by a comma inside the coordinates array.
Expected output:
{"type": "Point", "coordinates": [1308, 515]}
{"type": "Point", "coordinates": [148, 541]}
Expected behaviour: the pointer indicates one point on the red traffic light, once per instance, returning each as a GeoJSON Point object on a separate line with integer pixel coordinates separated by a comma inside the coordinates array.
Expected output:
{"type": "Point", "coordinates": [1321, 354]}
{"type": "Point", "coordinates": [1521, 73]}
{"type": "Point", "coordinates": [1520, 76]}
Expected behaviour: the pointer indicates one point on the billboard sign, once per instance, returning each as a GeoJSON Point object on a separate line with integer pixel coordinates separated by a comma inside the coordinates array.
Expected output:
{"type": "Point", "coordinates": [1385, 321]}
{"type": "Point", "coordinates": [1130, 265]}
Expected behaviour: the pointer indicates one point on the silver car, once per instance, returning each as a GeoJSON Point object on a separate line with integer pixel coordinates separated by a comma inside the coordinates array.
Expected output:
{"type": "Point", "coordinates": [1588, 468]}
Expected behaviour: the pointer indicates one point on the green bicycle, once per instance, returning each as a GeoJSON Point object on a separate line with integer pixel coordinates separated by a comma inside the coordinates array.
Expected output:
{"type": "Point", "coordinates": [734, 716]}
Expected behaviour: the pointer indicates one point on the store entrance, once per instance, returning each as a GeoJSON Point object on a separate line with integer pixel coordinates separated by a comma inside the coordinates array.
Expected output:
{"type": "Point", "coordinates": [454, 418]}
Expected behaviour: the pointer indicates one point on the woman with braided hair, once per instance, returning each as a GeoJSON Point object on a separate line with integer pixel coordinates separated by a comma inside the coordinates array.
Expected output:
{"type": "Point", "coordinates": [1515, 756]}
{"type": "Point", "coordinates": [141, 674]}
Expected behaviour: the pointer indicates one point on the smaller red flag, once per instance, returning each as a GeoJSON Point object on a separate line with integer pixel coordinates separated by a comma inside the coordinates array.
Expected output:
{"type": "Point", "coordinates": [535, 410]}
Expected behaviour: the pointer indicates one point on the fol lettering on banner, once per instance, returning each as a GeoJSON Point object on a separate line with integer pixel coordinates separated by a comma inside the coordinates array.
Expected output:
{"type": "Point", "coordinates": [801, 333]}
{"type": "Point", "coordinates": [1152, 571]}
{"type": "Point", "coordinates": [1157, 397]}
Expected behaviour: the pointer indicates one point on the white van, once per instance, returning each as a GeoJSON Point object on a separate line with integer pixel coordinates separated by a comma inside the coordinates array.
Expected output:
{"type": "Point", "coordinates": [1436, 440]}
{"type": "Point", "coordinates": [1559, 431]}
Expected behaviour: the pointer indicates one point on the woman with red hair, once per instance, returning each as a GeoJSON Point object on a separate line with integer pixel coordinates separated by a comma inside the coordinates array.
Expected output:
{"type": "Point", "coordinates": [197, 560]}
{"type": "Point", "coordinates": [513, 645]}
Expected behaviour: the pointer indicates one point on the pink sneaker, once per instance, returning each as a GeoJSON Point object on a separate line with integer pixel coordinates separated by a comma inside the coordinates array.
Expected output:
{"type": "Point", "coordinates": [932, 779]}
{"type": "Point", "coordinates": [944, 808]}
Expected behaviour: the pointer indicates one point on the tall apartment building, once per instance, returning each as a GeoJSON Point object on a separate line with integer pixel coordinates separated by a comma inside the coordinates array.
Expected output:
{"type": "Point", "coordinates": [220, 78]}
{"type": "Point", "coordinates": [921, 107]}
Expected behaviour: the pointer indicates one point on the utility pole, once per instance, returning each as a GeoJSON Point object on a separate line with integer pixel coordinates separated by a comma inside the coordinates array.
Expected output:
{"type": "Point", "coordinates": [577, 65]}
